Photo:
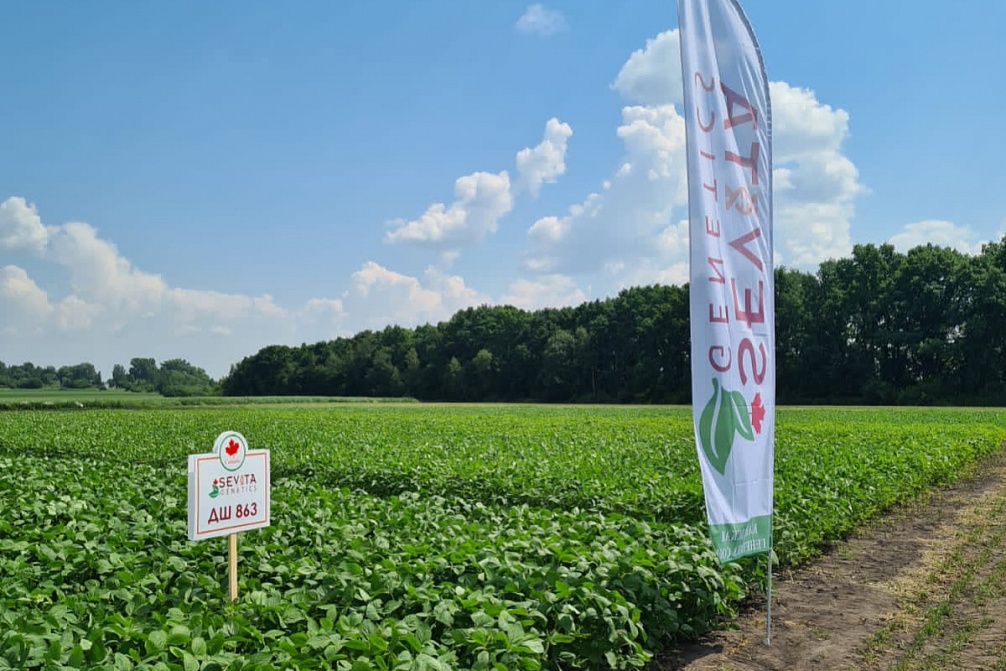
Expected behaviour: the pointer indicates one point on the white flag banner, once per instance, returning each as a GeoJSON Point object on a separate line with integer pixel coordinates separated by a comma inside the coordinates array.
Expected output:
{"type": "Point", "coordinates": [729, 137]}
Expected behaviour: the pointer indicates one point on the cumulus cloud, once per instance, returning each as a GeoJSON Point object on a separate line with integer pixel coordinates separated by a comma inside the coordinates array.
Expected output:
{"type": "Point", "coordinates": [538, 20]}
{"type": "Point", "coordinates": [109, 301]}
{"type": "Point", "coordinates": [816, 187]}
{"type": "Point", "coordinates": [483, 198]}
{"type": "Point", "coordinates": [544, 291]}
{"type": "Point", "coordinates": [480, 200]}
{"type": "Point", "coordinates": [547, 161]}
{"type": "Point", "coordinates": [195, 311]}
{"type": "Point", "coordinates": [620, 222]}
{"type": "Point", "coordinates": [626, 231]}
{"type": "Point", "coordinates": [75, 314]}
{"type": "Point", "coordinates": [21, 228]}
{"type": "Point", "coordinates": [20, 293]}
{"type": "Point", "coordinates": [937, 232]}
{"type": "Point", "coordinates": [406, 300]}
{"type": "Point", "coordinates": [99, 273]}
{"type": "Point", "coordinates": [651, 76]}
{"type": "Point", "coordinates": [322, 318]}
{"type": "Point", "coordinates": [111, 310]}
{"type": "Point", "coordinates": [27, 307]}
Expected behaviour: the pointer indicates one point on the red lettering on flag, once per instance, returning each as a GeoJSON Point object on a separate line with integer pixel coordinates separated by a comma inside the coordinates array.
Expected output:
{"type": "Point", "coordinates": [719, 279]}
{"type": "Point", "coordinates": [747, 347]}
{"type": "Point", "coordinates": [712, 189]}
{"type": "Point", "coordinates": [706, 128]}
{"type": "Point", "coordinates": [721, 350]}
{"type": "Point", "coordinates": [712, 227]}
{"type": "Point", "coordinates": [739, 245]}
{"type": "Point", "coordinates": [749, 162]}
{"type": "Point", "coordinates": [740, 200]}
{"type": "Point", "coordinates": [734, 98]}
{"type": "Point", "coordinates": [747, 314]}
{"type": "Point", "coordinates": [702, 82]}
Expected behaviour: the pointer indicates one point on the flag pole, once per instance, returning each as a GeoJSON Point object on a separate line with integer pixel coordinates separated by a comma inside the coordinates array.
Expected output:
{"type": "Point", "coordinates": [768, 610]}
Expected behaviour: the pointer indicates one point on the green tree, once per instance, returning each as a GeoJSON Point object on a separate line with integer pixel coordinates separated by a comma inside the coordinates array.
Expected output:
{"type": "Point", "coordinates": [177, 377]}
{"type": "Point", "coordinates": [120, 379]}
{"type": "Point", "coordinates": [454, 380]}
{"type": "Point", "coordinates": [143, 374]}
{"type": "Point", "coordinates": [559, 366]}
{"type": "Point", "coordinates": [482, 373]}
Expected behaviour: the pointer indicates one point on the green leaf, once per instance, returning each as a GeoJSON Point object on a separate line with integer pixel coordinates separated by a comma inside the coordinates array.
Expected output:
{"type": "Point", "coordinates": [76, 659]}
{"type": "Point", "coordinates": [157, 642]}
{"type": "Point", "coordinates": [742, 417]}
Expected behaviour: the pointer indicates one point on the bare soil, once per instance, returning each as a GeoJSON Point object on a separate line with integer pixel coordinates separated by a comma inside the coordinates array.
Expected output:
{"type": "Point", "coordinates": [923, 588]}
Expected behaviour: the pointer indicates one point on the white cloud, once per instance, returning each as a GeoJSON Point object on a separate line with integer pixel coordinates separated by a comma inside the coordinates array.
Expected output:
{"type": "Point", "coordinates": [808, 126]}
{"type": "Point", "coordinates": [454, 291]}
{"type": "Point", "coordinates": [98, 272]}
{"type": "Point", "coordinates": [21, 228]}
{"type": "Point", "coordinates": [323, 316]}
{"type": "Point", "coordinates": [546, 162]}
{"type": "Point", "coordinates": [646, 272]}
{"type": "Point", "coordinates": [76, 314]}
{"type": "Point", "coordinates": [816, 186]}
{"type": "Point", "coordinates": [623, 233]}
{"type": "Point", "coordinates": [111, 311]}
{"type": "Point", "coordinates": [544, 291]}
{"type": "Point", "coordinates": [673, 240]}
{"type": "Point", "coordinates": [195, 311]}
{"type": "Point", "coordinates": [483, 198]}
{"type": "Point", "coordinates": [378, 297]}
{"type": "Point", "coordinates": [652, 76]}
{"type": "Point", "coordinates": [21, 293]}
{"type": "Point", "coordinates": [620, 223]}
{"type": "Point", "coordinates": [540, 21]}
{"type": "Point", "coordinates": [937, 232]}
{"type": "Point", "coordinates": [628, 231]}
{"type": "Point", "coordinates": [480, 200]}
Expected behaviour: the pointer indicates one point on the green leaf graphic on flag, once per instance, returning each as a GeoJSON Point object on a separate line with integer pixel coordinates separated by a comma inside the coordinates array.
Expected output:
{"type": "Point", "coordinates": [725, 416]}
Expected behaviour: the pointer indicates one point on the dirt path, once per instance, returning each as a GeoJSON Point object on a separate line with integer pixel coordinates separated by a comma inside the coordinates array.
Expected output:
{"type": "Point", "coordinates": [922, 589]}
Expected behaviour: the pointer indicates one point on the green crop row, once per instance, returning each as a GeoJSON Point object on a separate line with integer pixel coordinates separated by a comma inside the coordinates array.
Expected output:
{"type": "Point", "coordinates": [410, 537]}
{"type": "Point", "coordinates": [95, 571]}
{"type": "Point", "coordinates": [640, 462]}
{"type": "Point", "coordinates": [834, 467]}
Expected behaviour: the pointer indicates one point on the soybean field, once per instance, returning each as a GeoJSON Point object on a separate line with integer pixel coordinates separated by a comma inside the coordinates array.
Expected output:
{"type": "Point", "coordinates": [419, 536]}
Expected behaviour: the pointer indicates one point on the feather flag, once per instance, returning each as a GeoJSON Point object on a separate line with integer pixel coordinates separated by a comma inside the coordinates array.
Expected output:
{"type": "Point", "coordinates": [729, 136]}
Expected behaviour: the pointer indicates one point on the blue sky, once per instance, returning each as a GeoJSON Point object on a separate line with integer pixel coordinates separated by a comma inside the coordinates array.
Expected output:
{"type": "Point", "coordinates": [198, 180]}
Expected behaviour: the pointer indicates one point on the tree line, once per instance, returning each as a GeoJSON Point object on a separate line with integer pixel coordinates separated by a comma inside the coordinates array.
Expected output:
{"type": "Point", "coordinates": [879, 327]}
{"type": "Point", "coordinates": [174, 377]}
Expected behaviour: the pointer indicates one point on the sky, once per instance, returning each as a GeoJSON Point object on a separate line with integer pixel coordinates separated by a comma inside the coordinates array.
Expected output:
{"type": "Point", "coordinates": [199, 180]}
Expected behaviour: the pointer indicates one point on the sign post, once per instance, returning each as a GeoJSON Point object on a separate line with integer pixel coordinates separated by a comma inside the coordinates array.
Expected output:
{"type": "Point", "coordinates": [228, 493]}
{"type": "Point", "coordinates": [232, 566]}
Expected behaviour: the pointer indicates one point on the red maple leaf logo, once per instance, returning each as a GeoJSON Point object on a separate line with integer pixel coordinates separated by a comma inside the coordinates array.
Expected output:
{"type": "Point", "coordinates": [232, 448]}
{"type": "Point", "coordinates": [757, 413]}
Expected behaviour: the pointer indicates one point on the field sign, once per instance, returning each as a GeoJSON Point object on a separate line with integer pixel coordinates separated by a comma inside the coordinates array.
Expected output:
{"type": "Point", "coordinates": [228, 488]}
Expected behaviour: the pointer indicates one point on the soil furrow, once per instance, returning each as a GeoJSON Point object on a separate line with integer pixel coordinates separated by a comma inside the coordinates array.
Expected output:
{"type": "Point", "coordinates": [922, 588]}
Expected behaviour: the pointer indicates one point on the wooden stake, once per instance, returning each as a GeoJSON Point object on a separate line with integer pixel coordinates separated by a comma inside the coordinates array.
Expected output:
{"type": "Point", "coordinates": [232, 546]}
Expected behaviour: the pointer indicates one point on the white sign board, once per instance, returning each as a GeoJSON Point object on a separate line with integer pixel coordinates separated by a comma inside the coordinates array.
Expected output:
{"type": "Point", "coordinates": [228, 488]}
